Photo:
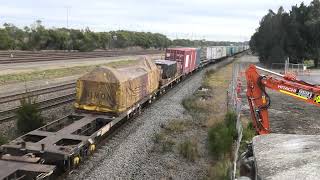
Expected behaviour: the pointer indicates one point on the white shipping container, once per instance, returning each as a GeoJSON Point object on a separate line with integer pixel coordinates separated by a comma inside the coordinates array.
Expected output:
{"type": "Point", "coordinates": [209, 53]}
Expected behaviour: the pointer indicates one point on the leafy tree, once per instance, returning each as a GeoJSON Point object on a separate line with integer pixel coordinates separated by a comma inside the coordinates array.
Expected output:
{"type": "Point", "coordinates": [295, 35]}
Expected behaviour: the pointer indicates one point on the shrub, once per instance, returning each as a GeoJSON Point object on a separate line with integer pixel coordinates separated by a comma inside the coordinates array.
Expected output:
{"type": "Point", "coordinates": [189, 150]}
{"type": "Point", "coordinates": [220, 140]}
{"type": "Point", "coordinates": [230, 121]}
{"type": "Point", "coordinates": [28, 115]}
{"type": "Point", "coordinates": [3, 139]}
{"type": "Point", "coordinates": [222, 135]}
{"type": "Point", "coordinates": [248, 132]}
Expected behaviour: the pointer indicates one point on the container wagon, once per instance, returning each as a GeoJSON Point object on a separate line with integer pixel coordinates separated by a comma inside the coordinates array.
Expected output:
{"type": "Point", "coordinates": [62, 144]}
{"type": "Point", "coordinates": [185, 58]}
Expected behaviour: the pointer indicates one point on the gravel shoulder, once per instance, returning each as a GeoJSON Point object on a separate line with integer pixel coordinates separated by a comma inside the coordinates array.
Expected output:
{"type": "Point", "coordinates": [129, 154]}
{"type": "Point", "coordinates": [39, 66]}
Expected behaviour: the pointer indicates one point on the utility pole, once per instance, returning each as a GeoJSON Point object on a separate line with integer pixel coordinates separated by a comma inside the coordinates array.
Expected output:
{"type": "Point", "coordinates": [67, 17]}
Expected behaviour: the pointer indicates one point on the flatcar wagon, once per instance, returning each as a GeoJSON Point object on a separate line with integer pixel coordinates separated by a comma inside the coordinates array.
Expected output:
{"type": "Point", "coordinates": [105, 97]}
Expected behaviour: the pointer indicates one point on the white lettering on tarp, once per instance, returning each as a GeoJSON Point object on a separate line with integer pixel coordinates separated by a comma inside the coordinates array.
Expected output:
{"type": "Point", "coordinates": [290, 89]}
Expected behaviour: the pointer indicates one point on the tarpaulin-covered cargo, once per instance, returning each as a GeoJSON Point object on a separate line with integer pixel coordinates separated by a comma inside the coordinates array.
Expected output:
{"type": "Point", "coordinates": [114, 90]}
{"type": "Point", "coordinates": [168, 68]}
{"type": "Point", "coordinates": [185, 58]}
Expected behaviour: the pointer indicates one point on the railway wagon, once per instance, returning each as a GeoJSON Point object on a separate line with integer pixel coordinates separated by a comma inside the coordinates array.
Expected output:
{"type": "Point", "coordinates": [216, 52]}
{"type": "Point", "coordinates": [115, 90]}
{"type": "Point", "coordinates": [185, 58]}
{"type": "Point", "coordinates": [62, 144]}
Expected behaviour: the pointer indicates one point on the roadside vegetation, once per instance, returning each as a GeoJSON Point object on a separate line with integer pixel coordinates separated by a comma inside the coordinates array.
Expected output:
{"type": "Point", "coordinates": [208, 105]}
{"type": "Point", "coordinates": [206, 138]}
{"type": "Point", "coordinates": [292, 35]}
{"type": "Point", "coordinates": [3, 140]}
{"type": "Point", "coordinates": [38, 37]}
{"type": "Point", "coordinates": [28, 116]}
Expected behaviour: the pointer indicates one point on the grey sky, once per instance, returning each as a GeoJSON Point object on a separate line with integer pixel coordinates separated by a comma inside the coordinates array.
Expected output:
{"type": "Point", "coordinates": [209, 19]}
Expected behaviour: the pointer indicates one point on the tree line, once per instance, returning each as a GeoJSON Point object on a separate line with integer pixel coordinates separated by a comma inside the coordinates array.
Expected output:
{"type": "Point", "coordinates": [38, 37]}
{"type": "Point", "coordinates": [294, 35]}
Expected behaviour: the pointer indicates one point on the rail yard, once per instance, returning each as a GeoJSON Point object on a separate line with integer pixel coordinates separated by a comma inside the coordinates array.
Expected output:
{"type": "Point", "coordinates": [89, 129]}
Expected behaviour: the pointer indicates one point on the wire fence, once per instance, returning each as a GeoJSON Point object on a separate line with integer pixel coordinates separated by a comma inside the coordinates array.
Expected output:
{"type": "Point", "coordinates": [297, 69]}
{"type": "Point", "coordinates": [235, 104]}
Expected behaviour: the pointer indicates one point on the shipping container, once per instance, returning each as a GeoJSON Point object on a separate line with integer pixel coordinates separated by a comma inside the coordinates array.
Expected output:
{"type": "Point", "coordinates": [114, 90]}
{"type": "Point", "coordinates": [185, 58]}
{"type": "Point", "coordinates": [168, 68]}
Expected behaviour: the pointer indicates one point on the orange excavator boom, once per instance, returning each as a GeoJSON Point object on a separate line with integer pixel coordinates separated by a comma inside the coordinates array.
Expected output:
{"type": "Point", "coordinates": [259, 100]}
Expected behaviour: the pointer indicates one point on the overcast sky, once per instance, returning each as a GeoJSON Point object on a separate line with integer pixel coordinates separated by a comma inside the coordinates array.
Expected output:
{"type": "Point", "coordinates": [232, 20]}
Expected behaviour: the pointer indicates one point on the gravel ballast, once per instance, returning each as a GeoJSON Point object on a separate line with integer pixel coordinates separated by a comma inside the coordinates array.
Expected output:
{"type": "Point", "coordinates": [125, 154]}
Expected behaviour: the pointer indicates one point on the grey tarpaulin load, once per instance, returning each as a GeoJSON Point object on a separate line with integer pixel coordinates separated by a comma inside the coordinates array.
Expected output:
{"type": "Point", "coordinates": [169, 68]}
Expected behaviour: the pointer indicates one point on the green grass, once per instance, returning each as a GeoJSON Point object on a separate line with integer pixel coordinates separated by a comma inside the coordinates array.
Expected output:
{"type": "Point", "coordinates": [57, 73]}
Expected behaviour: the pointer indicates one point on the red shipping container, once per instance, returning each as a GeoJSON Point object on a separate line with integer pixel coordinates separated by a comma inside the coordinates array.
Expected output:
{"type": "Point", "coordinates": [185, 58]}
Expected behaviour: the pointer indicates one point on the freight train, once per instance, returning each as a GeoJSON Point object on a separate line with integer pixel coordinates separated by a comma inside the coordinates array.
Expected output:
{"type": "Point", "coordinates": [104, 98]}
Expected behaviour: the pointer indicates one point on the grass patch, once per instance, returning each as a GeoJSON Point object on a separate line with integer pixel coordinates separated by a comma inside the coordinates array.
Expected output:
{"type": "Point", "coordinates": [165, 144]}
{"type": "Point", "coordinates": [176, 126]}
{"type": "Point", "coordinates": [188, 149]}
{"type": "Point", "coordinates": [120, 63]}
{"type": "Point", "coordinates": [220, 171]}
{"type": "Point", "coordinates": [222, 135]}
{"type": "Point", "coordinates": [57, 73]}
{"type": "Point", "coordinates": [3, 140]}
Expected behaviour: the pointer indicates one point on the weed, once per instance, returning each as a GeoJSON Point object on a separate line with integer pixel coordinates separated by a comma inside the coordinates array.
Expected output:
{"type": "Point", "coordinates": [222, 135]}
{"type": "Point", "coordinates": [189, 150]}
{"type": "Point", "coordinates": [3, 139]}
{"type": "Point", "coordinates": [175, 126]}
{"type": "Point", "coordinates": [29, 117]}
{"type": "Point", "coordinates": [220, 171]}
{"type": "Point", "coordinates": [158, 137]}
{"type": "Point", "coordinates": [247, 134]}
{"type": "Point", "coordinates": [167, 145]}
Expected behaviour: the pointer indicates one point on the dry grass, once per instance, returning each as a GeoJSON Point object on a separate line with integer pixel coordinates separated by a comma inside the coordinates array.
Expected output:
{"type": "Point", "coordinates": [218, 82]}
{"type": "Point", "coordinates": [163, 142]}
{"type": "Point", "coordinates": [189, 149]}
{"type": "Point", "coordinates": [219, 171]}
{"type": "Point", "coordinates": [57, 73]}
{"type": "Point", "coordinates": [176, 126]}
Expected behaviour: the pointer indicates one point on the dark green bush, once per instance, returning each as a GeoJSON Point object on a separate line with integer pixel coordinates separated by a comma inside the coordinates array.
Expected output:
{"type": "Point", "coordinates": [222, 135]}
{"type": "Point", "coordinates": [28, 116]}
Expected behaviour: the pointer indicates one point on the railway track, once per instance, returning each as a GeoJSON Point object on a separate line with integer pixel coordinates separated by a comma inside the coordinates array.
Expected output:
{"type": "Point", "coordinates": [37, 92]}
{"type": "Point", "coordinates": [22, 57]}
{"type": "Point", "coordinates": [10, 114]}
